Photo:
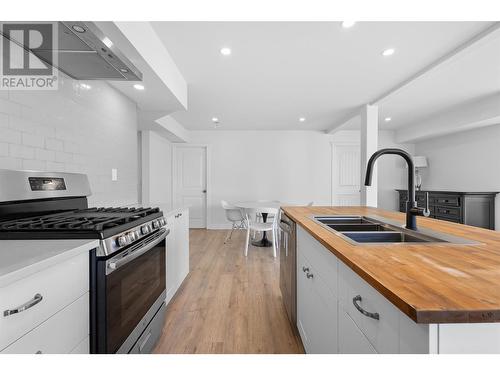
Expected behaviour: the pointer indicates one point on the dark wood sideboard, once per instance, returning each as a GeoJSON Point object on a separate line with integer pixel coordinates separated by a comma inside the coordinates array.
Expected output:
{"type": "Point", "coordinates": [471, 208]}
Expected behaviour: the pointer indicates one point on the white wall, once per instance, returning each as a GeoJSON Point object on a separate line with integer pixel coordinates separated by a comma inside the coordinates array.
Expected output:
{"type": "Point", "coordinates": [156, 160]}
{"type": "Point", "coordinates": [392, 171]}
{"type": "Point", "coordinates": [293, 167]}
{"type": "Point", "coordinates": [289, 166]}
{"type": "Point", "coordinates": [464, 161]}
{"type": "Point", "coordinates": [73, 130]}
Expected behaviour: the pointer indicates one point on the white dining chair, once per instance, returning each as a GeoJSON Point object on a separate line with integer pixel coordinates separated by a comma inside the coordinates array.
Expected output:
{"type": "Point", "coordinates": [257, 226]}
{"type": "Point", "coordinates": [234, 215]}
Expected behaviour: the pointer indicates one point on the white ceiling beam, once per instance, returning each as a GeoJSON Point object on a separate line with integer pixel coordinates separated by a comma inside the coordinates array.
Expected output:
{"type": "Point", "coordinates": [145, 40]}
{"type": "Point", "coordinates": [172, 130]}
{"type": "Point", "coordinates": [164, 125]}
{"type": "Point", "coordinates": [472, 115]}
{"type": "Point", "coordinates": [440, 63]}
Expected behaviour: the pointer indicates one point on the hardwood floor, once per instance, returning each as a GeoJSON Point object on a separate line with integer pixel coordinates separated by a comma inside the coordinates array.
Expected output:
{"type": "Point", "coordinates": [228, 303]}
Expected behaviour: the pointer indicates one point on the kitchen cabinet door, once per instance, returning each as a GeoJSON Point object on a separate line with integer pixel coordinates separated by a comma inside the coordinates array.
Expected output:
{"type": "Point", "coordinates": [351, 339]}
{"type": "Point", "coordinates": [177, 258]}
{"type": "Point", "coordinates": [317, 311]}
{"type": "Point", "coordinates": [171, 259]}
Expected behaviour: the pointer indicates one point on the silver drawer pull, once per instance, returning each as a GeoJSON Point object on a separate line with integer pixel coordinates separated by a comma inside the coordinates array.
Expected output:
{"type": "Point", "coordinates": [309, 275]}
{"type": "Point", "coordinates": [32, 302]}
{"type": "Point", "coordinates": [355, 301]}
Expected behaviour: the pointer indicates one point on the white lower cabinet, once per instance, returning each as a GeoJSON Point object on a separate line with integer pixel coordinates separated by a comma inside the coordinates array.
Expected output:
{"type": "Point", "coordinates": [48, 311]}
{"type": "Point", "coordinates": [339, 312]}
{"type": "Point", "coordinates": [376, 317]}
{"type": "Point", "coordinates": [351, 339]}
{"type": "Point", "coordinates": [317, 311]}
{"type": "Point", "coordinates": [61, 333]}
{"type": "Point", "coordinates": [43, 293]}
{"type": "Point", "coordinates": [177, 258]}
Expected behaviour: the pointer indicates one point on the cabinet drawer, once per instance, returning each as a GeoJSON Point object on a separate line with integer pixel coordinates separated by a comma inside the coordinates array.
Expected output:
{"type": "Point", "coordinates": [383, 333]}
{"type": "Point", "coordinates": [58, 286]}
{"type": "Point", "coordinates": [351, 339]}
{"type": "Point", "coordinates": [447, 212]}
{"type": "Point", "coordinates": [451, 200]}
{"type": "Point", "coordinates": [320, 258]}
{"type": "Point", "coordinates": [59, 334]}
{"type": "Point", "coordinates": [317, 311]}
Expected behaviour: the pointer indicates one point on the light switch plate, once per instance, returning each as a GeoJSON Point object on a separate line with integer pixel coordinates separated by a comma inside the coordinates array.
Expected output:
{"type": "Point", "coordinates": [114, 174]}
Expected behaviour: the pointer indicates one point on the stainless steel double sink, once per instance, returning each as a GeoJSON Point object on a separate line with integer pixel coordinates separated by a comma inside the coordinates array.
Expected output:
{"type": "Point", "coordinates": [373, 230]}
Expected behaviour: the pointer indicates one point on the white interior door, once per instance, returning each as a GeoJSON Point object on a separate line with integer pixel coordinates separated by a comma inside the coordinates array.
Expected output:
{"type": "Point", "coordinates": [345, 175]}
{"type": "Point", "coordinates": [191, 183]}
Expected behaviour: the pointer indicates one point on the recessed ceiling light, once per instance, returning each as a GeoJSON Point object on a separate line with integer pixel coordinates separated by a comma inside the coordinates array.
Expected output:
{"type": "Point", "coordinates": [85, 86]}
{"type": "Point", "coordinates": [78, 28]}
{"type": "Point", "coordinates": [107, 42]}
{"type": "Point", "coordinates": [388, 52]}
{"type": "Point", "coordinates": [138, 87]}
{"type": "Point", "coordinates": [348, 24]}
{"type": "Point", "coordinates": [226, 51]}
{"type": "Point", "coordinates": [388, 119]}
{"type": "Point", "coordinates": [215, 120]}
{"type": "Point", "coordinates": [302, 119]}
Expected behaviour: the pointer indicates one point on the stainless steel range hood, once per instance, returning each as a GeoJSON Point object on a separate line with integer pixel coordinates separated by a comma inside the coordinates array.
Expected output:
{"type": "Point", "coordinates": [85, 53]}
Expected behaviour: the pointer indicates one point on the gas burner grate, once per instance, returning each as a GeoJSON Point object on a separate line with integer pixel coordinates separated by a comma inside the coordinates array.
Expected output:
{"type": "Point", "coordinates": [92, 219]}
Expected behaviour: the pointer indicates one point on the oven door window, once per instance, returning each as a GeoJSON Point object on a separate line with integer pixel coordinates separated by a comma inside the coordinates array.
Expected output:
{"type": "Point", "coordinates": [130, 291]}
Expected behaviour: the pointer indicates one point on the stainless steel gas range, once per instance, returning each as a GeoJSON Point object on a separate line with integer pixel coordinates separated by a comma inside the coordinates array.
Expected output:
{"type": "Point", "coordinates": [127, 270]}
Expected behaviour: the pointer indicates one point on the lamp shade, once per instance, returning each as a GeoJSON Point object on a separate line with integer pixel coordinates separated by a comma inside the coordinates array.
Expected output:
{"type": "Point", "coordinates": [420, 161]}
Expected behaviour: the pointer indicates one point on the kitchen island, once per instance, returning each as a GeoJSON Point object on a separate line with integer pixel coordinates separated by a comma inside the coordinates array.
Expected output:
{"type": "Point", "coordinates": [417, 297]}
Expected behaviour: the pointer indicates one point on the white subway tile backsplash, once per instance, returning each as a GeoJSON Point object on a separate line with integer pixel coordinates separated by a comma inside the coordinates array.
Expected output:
{"type": "Point", "coordinates": [10, 135]}
{"type": "Point", "coordinates": [71, 147]}
{"type": "Point", "coordinates": [48, 155]}
{"type": "Point", "coordinates": [4, 149]}
{"type": "Point", "coordinates": [4, 120]}
{"type": "Point", "coordinates": [70, 130]}
{"type": "Point", "coordinates": [54, 144]}
{"type": "Point", "coordinates": [34, 165]}
{"type": "Point", "coordinates": [10, 162]}
{"type": "Point", "coordinates": [34, 140]}
{"type": "Point", "coordinates": [64, 157]}
{"type": "Point", "coordinates": [20, 151]}
{"type": "Point", "coordinates": [9, 107]}
{"type": "Point", "coordinates": [55, 166]}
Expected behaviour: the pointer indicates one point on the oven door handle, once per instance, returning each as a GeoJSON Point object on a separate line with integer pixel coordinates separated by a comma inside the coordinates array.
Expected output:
{"type": "Point", "coordinates": [115, 263]}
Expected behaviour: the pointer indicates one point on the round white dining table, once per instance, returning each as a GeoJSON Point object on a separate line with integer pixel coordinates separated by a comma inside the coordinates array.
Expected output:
{"type": "Point", "coordinates": [256, 205]}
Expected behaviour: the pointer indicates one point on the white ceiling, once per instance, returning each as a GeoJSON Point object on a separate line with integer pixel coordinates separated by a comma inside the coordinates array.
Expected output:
{"type": "Point", "coordinates": [280, 71]}
{"type": "Point", "coordinates": [471, 75]}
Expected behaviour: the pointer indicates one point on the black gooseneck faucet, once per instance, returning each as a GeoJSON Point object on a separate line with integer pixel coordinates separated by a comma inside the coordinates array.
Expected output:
{"type": "Point", "coordinates": [411, 204]}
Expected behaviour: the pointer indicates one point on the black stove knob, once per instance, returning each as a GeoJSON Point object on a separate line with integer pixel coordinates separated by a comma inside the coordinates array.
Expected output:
{"type": "Point", "coordinates": [145, 229]}
{"type": "Point", "coordinates": [156, 224]}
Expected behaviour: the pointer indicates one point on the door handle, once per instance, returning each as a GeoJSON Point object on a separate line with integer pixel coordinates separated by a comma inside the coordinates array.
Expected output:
{"type": "Point", "coordinates": [355, 301]}
{"type": "Point", "coordinates": [204, 191]}
{"type": "Point", "coordinates": [28, 305]}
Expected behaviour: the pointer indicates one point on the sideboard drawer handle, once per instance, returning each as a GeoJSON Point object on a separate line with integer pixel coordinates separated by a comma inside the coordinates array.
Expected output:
{"type": "Point", "coordinates": [32, 302]}
{"type": "Point", "coordinates": [355, 301]}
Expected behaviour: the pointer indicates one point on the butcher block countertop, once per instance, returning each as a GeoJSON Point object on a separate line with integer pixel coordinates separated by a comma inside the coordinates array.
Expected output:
{"type": "Point", "coordinates": [431, 283]}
